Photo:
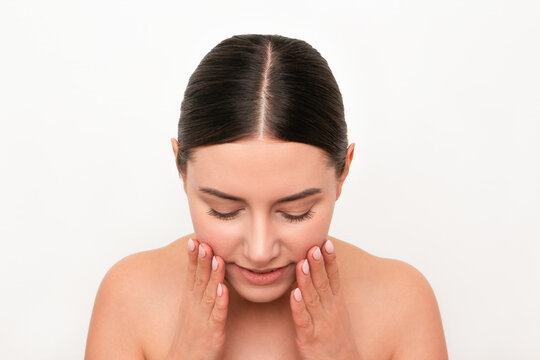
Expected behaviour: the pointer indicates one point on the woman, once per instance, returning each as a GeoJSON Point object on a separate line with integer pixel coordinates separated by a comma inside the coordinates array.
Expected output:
{"type": "Point", "coordinates": [263, 154]}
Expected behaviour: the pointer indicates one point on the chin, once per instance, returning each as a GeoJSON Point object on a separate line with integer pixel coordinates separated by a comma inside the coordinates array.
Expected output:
{"type": "Point", "coordinates": [261, 295]}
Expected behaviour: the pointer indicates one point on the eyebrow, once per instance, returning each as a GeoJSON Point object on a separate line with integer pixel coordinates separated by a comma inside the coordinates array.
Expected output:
{"type": "Point", "coordinates": [297, 196]}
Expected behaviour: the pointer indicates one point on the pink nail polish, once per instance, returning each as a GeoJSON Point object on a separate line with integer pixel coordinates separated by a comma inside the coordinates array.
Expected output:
{"type": "Point", "coordinates": [202, 253]}
{"type": "Point", "coordinates": [297, 294]}
{"type": "Point", "coordinates": [317, 254]}
{"type": "Point", "coordinates": [219, 290]}
{"type": "Point", "coordinates": [329, 247]}
{"type": "Point", "coordinates": [305, 267]}
{"type": "Point", "coordinates": [191, 245]}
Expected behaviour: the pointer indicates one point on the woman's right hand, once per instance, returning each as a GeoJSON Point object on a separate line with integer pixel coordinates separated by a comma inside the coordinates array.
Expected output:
{"type": "Point", "coordinates": [200, 331]}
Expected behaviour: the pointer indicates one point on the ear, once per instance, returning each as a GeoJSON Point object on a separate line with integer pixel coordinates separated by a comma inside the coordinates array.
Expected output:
{"type": "Point", "coordinates": [175, 146]}
{"type": "Point", "coordinates": [348, 160]}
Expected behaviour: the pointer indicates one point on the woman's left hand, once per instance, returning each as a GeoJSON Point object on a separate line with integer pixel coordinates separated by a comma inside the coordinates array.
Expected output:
{"type": "Point", "coordinates": [321, 318]}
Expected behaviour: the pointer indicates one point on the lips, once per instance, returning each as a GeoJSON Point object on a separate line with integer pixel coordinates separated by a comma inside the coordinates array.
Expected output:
{"type": "Point", "coordinates": [259, 279]}
{"type": "Point", "coordinates": [263, 271]}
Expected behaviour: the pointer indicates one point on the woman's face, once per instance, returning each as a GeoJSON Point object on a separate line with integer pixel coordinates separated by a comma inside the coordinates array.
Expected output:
{"type": "Point", "coordinates": [278, 198]}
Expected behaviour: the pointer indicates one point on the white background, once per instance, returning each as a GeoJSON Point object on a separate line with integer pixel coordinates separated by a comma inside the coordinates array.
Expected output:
{"type": "Point", "coordinates": [441, 98]}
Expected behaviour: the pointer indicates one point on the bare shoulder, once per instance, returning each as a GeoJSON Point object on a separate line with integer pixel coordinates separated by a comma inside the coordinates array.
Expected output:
{"type": "Point", "coordinates": [127, 301]}
{"type": "Point", "coordinates": [392, 298]}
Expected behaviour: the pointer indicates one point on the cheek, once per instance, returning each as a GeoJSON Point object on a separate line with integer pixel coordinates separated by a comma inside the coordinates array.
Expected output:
{"type": "Point", "coordinates": [219, 235]}
{"type": "Point", "coordinates": [314, 232]}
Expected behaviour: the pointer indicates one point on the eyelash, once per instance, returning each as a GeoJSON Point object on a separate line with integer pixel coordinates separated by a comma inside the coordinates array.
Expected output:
{"type": "Point", "coordinates": [289, 218]}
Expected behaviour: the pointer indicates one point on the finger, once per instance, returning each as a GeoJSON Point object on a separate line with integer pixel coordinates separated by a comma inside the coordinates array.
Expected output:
{"type": "Point", "coordinates": [319, 276]}
{"type": "Point", "coordinates": [216, 276]}
{"type": "Point", "coordinates": [218, 316]}
{"type": "Point", "coordinates": [203, 270]}
{"type": "Point", "coordinates": [301, 317]}
{"type": "Point", "coordinates": [331, 266]}
{"type": "Point", "coordinates": [192, 253]}
{"type": "Point", "coordinates": [310, 297]}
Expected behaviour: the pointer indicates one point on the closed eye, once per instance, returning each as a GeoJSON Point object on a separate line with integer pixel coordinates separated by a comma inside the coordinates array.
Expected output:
{"type": "Point", "coordinates": [294, 218]}
{"type": "Point", "coordinates": [288, 217]}
{"type": "Point", "coordinates": [219, 215]}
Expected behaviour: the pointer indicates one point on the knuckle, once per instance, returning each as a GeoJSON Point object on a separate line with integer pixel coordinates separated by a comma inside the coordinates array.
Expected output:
{"type": "Point", "coordinates": [334, 273]}
{"type": "Point", "coordinates": [190, 271]}
{"type": "Point", "coordinates": [219, 317]}
{"type": "Point", "coordinates": [207, 299]}
{"type": "Point", "coordinates": [220, 306]}
{"type": "Point", "coordinates": [306, 343]}
{"type": "Point", "coordinates": [312, 301]}
{"type": "Point", "coordinates": [199, 281]}
{"type": "Point", "coordinates": [303, 323]}
{"type": "Point", "coordinates": [324, 286]}
{"type": "Point", "coordinates": [298, 310]}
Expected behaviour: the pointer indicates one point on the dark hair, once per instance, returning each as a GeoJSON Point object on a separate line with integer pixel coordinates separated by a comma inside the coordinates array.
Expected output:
{"type": "Point", "coordinates": [263, 85]}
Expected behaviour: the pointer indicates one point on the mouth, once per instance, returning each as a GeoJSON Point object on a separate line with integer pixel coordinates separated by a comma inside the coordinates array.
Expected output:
{"type": "Point", "coordinates": [263, 276]}
{"type": "Point", "coordinates": [264, 271]}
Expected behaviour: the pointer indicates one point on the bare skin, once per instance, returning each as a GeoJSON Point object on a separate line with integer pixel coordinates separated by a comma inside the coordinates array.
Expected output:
{"type": "Point", "coordinates": [387, 300]}
{"type": "Point", "coordinates": [141, 311]}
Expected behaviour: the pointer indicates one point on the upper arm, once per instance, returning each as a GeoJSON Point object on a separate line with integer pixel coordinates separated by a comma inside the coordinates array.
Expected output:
{"type": "Point", "coordinates": [114, 329]}
{"type": "Point", "coordinates": [420, 328]}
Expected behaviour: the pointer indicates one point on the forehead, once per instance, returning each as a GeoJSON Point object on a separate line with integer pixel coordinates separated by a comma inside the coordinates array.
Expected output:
{"type": "Point", "coordinates": [246, 166]}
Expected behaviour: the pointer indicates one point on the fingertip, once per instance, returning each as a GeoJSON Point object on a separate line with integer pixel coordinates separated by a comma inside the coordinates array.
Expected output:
{"type": "Point", "coordinates": [225, 288]}
{"type": "Point", "coordinates": [317, 254]}
{"type": "Point", "coordinates": [215, 263]}
{"type": "Point", "coordinates": [220, 267]}
{"type": "Point", "coordinates": [299, 266]}
{"type": "Point", "coordinates": [224, 298]}
{"type": "Point", "coordinates": [193, 253]}
{"type": "Point", "coordinates": [329, 247]}
{"type": "Point", "coordinates": [305, 267]}
{"type": "Point", "coordinates": [219, 290]}
{"type": "Point", "coordinates": [297, 295]}
{"type": "Point", "coordinates": [220, 260]}
{"type": "Point", "coordinates": [202, 252]}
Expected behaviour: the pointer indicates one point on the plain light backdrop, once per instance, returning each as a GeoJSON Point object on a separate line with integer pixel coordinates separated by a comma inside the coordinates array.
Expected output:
{"type": "Point", "coordinates": [441, 98]}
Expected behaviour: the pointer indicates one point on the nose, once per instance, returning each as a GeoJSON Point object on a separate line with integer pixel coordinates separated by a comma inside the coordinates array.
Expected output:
{"type": "Point", "coordinates": [261, 246]}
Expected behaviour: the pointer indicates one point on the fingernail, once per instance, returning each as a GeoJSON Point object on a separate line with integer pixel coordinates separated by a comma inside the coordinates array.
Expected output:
{"type": "Point", "coordinates": [297, 294]}
{"type": "Point", "coordinates": [219, 290]}
{"type": "Point", "coordinates": [214, 263]}
{"type": "Point", "coordinates": [317, 254]}
{"type": "Point", "coordinates": [191, 245]}
{"type": "Point", "coordinates": [202, 253]}
{"type": "Point", "coordinates": [305, 267]}
{"type": "Point", "coordinates": [329, 247]}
